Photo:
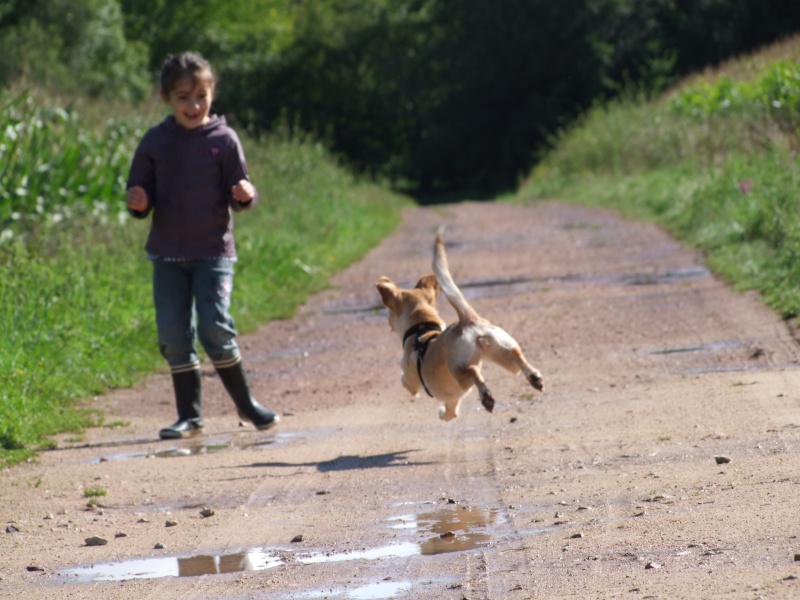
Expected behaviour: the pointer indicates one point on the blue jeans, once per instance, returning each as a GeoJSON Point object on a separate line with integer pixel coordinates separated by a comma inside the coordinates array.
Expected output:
{"type": "Point", "coordinates": [183, 290]}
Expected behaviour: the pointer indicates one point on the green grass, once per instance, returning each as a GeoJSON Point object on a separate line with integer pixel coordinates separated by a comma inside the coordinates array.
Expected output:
{"type": "Point", "coordinates": [75, 293]}
{"type": "Point", "coordinates": [714, 161]}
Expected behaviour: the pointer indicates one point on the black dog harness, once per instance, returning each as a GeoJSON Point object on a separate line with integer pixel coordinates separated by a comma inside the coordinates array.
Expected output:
{"type": "Point", "coordinates": [419, 330]}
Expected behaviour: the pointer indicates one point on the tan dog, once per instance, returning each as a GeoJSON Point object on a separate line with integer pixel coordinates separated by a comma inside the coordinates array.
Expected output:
{"type": "Point", "coordinates": [446, 362]}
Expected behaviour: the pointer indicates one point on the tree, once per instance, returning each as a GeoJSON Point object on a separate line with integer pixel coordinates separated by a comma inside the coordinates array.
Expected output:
{"type": "Point", "coordinates": [71, 45]}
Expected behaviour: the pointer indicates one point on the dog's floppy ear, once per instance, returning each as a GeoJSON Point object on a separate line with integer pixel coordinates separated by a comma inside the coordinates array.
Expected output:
{"type": "Point", "coordinates": [388, 291]}
{"type": "Point", "coordinates": [429, 282]}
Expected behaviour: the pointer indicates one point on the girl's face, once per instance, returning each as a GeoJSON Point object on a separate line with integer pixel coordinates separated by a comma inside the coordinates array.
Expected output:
{"type": "Point", "coordinates": [190, 101]}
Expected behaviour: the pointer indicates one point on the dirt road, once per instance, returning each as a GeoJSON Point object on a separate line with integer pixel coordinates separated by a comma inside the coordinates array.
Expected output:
{"type": "Point", "coordinates": [663, 461]}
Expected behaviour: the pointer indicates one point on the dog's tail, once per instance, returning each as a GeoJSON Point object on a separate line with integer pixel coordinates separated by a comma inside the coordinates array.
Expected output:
{"type": "Point", "coordinates": [442, 271]}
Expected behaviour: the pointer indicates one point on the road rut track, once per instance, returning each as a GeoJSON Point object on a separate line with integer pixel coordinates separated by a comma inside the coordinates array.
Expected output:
{"type": "Point", "coordinates": [605, 486]}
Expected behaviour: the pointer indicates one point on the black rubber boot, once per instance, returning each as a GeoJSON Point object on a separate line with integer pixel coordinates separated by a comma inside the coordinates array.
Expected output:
{"type": "Point", "coordinates": [235, 381]}
{"type": "Point", "coordinates": [187, 399]}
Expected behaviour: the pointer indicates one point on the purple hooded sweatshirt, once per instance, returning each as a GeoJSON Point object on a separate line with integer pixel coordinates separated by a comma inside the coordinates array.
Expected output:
{"type": "Point", "coordinates": [188, 176]}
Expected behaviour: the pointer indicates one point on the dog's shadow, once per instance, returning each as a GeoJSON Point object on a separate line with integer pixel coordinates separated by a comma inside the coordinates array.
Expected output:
{"type": "Point", "coordinates": [353, 462]}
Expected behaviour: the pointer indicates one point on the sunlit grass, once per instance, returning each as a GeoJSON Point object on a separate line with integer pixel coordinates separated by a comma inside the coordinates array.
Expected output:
{"type": "Point", "coordinates": [715, 162]}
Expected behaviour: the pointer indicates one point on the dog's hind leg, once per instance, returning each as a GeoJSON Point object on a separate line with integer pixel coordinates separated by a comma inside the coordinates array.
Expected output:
{"type": "Point", "coordinates": [473, 373]}
{"type": "Point", "coordinates": [531, 374]}
{"type": "Point", "coordinates": [504, 350]}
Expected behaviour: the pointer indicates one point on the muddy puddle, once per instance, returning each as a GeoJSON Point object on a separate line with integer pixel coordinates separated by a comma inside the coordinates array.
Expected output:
{"type": "Point", "coordinates": [195, 448]}
{"type": "Point", "coordinates": [457, 529]}
{"type": "Point", "coordinates": [171, 566]}
{"type": "Point", "coordinates": [172, 452]}
{"type": "Point", "coordinates": [451, 529]}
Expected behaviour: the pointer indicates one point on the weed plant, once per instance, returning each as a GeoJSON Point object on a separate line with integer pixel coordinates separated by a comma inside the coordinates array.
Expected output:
{"type": "Point", "coordinates": [714, 161]}
{"type": "Point", "coordinates": [75, 292]}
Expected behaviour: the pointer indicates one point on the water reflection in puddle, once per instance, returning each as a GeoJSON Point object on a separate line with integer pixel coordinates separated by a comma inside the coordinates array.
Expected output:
{"type": "Point", "coordinates": [453, 530]}
{"type": "Point", "coordinates": [153, 568]}
{"type": "Point", "coordinates": [391, 551]}
{"type": "Point", "coordinates": [198, 448]}
{"type": "Point", "coordinates": [174, 452]}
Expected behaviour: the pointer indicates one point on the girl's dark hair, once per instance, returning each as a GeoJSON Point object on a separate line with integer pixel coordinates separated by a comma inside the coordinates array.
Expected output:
{"type": "Point", "coordinates": [185, 64]}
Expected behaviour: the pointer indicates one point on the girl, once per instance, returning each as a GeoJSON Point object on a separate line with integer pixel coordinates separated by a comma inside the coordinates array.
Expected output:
{"type": "Point", "coordinates": [190, 172]}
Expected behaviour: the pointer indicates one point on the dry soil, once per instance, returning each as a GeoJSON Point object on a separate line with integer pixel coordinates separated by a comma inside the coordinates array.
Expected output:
{"type": "Point", "coordinates": [662, 461]}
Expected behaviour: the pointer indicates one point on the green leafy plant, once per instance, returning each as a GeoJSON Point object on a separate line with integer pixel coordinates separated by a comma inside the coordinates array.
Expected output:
{"type": "Point", "coordinates": [95, 492]}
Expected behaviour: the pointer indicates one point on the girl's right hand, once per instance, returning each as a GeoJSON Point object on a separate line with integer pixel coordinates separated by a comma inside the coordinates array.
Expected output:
{"type": "Point", "coordinates": [136, 199]}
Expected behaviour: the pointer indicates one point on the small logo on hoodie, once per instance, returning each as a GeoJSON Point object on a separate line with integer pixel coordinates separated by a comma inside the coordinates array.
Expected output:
{"type": "Point", "coordinates": [214, 151]}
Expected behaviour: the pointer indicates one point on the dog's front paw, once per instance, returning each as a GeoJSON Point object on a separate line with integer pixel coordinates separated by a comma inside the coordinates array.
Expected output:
{"type": "Point", "coordinates": [446, 415]}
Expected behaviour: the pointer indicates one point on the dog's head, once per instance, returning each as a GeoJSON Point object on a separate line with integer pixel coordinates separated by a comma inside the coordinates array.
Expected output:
{"type": "Point", "coordinates": [409, 307]}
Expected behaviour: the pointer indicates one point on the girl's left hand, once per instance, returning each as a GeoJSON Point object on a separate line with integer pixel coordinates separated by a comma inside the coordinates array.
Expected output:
{"type": "Point", "coordinates": [244, 191]}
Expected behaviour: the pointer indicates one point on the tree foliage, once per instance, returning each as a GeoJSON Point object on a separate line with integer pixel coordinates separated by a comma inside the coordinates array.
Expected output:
{"type": "Point", "coordinates": [435, 94]}
{"type": "Point", "coordinates": [454, 94]}
{"type": "Point", "coordinates": [77, 46]}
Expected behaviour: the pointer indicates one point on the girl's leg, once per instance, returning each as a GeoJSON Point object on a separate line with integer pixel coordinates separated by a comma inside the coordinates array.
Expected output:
{"type": "Point", "coordinates": [213, 286]}
{"type": "Point", "coordinates": [172, 295]}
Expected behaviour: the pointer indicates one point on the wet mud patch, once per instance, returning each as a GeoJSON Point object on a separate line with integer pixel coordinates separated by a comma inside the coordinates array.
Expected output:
{"type": "Point", "coordinates": [197, 447]}
{"type": "Point", "coordinates": [193, 449]}
{"type": "Point", "coordinates": [454, 529]}
{"type": "Point", "coordinates": [709, 347]}
{"type": "Point", "coordinates": [493, 287]}
{"type": "Point", "coordinates": [723, 356]}
{"type": "Point", "coordinates": [444, 530]}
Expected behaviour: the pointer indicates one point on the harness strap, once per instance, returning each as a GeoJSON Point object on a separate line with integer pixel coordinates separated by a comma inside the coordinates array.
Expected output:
{"type": "Point", "coordinates": [419, 330]}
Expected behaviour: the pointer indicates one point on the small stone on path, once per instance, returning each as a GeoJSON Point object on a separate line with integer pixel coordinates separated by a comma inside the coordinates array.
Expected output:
{"type": "Point", "coordinates": [95, 541]}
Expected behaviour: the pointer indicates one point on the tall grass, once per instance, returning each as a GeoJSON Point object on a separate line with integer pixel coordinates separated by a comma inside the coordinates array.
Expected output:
{"type": "Point", "coordinates": [75, 297]}
{"type": "Point", "coordinates": [715, 161]}
{"type": "Point", "coordinates": [52, 168]}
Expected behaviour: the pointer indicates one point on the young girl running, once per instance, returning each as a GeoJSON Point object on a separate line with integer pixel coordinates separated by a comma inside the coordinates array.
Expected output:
{"type": "Point", "coordinates": [189, 171]}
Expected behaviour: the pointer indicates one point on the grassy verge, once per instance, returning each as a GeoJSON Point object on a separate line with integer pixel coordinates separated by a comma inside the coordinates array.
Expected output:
{"type": "Point", "coordinates": [75, 295]}
{"type": "Point", "coordinates": [714, 161]}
